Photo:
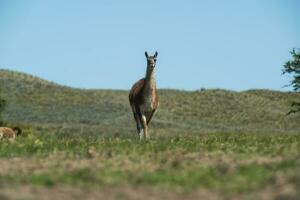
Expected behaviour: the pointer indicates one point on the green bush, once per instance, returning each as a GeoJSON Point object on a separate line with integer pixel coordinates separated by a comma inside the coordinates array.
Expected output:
{"type": "Point", "coordinates": [2, 105]}
{"type": "Point", "coordinates": [292, 67]}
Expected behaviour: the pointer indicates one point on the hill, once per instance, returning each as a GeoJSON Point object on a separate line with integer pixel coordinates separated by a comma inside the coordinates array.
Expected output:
{"type": "Point", "coordinates": [46, 105]}
{"type": "Point", "coordinates": [224, 144]}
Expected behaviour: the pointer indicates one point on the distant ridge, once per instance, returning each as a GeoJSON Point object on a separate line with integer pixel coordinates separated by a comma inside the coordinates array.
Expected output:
{"type": "Point", "coordinates": [38, 102]}
{"type": "Point", "coordinates": [10, 74]}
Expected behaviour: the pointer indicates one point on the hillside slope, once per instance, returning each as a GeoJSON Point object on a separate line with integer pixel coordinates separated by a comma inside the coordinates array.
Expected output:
{"type": "Point", "coordinates": [37, 102]}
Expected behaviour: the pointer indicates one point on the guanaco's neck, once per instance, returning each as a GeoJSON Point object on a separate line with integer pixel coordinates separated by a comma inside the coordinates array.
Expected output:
{"type": "Point", "coordinates": [150, 83]}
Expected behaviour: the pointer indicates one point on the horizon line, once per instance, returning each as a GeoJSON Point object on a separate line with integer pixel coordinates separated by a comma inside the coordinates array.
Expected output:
{"type": "Point", "coordinates": [120, 89]}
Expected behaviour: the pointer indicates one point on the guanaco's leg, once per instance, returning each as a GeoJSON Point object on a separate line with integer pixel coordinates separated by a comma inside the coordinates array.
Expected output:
{"type": "Point", "coordinates": [145, 127]}
{"type": "Point", "coordinates": [150, 116]}
{"type": "Point", "coordinates": [137, 118]}
{"type": "Point", "coordinates": [139, 127]}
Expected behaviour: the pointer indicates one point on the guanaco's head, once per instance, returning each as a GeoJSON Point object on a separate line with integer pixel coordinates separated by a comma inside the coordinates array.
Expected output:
{"type": "Point", "coordinates": [151, 60]}
{"type": "Point", "coordinates": [17, 130]}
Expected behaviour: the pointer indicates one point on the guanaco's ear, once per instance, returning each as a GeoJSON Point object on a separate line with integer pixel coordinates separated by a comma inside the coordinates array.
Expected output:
{"type": "Point", "coordinates": [155, 55]}
{"type": "Point", "coordinates": [146, 54]}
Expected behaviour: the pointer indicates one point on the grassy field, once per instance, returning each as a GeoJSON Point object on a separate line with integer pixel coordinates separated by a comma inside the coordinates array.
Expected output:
{"type": "Point", "coordinates": [206, 144]}
{"type": "Point", "coordinates": [211, 166]}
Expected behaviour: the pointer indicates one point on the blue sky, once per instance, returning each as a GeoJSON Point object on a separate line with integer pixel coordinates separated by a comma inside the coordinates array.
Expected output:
{"type": "Point", "coordinates": [236, 45]}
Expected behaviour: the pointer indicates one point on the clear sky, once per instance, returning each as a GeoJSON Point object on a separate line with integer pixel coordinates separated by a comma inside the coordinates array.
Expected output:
{"type": "Point", "coordinates": [232, 44]}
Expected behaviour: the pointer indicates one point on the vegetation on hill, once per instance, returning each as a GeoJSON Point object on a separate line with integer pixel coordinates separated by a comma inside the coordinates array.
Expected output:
{"type": "Point", "coordinates": [292, 67]}
{"type": "Point", "coordinates": [63, 109]}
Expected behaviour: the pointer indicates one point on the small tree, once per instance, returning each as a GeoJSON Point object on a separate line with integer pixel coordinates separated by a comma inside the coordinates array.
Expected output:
{"type": "Point", "coordinates": [292, 67]}
{"type": "Point", "coordinates": [2, 105]}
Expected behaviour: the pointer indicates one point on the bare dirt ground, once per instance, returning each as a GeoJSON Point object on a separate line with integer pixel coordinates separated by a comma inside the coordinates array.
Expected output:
{"type": "Point", "coordinates": [128, 192]}
{"type": "Point", "coordinates": [99, 193]}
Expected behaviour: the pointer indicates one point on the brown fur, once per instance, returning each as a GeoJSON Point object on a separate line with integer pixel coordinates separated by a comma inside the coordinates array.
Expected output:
{"type": "Point", "coordinates": [143, 97]}
{"type": "Point", "coordinates": [12, 133]}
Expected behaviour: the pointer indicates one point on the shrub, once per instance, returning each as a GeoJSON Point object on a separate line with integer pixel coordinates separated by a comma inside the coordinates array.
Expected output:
{"type": "Point", "coordinates": [292, 67]}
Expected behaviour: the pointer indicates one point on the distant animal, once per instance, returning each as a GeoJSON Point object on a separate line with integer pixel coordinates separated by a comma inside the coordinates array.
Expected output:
{"type": "Point", "coordinates": [143, 98]}
{"type": "Point", "coordinates": [11, 133]}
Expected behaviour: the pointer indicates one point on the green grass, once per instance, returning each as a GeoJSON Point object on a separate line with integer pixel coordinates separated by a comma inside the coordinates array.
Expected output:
{"type": "Point", "coordinates": [237, 144]}
{"type": "Point", "coordinates": [226, 163]}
